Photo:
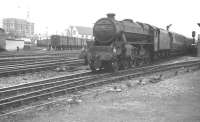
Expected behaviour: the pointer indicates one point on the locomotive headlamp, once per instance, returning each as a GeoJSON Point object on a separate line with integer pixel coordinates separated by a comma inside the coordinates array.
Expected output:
{"type": "Point", "coordinates": [114, 50]}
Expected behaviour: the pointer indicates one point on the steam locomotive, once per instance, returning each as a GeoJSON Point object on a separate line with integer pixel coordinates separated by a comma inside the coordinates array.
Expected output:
{"type": "Point", "coordinates": [123, 44]}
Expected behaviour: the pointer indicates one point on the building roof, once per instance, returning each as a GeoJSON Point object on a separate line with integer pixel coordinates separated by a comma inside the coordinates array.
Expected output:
{"type": "Point", "coordinates": [2, 30]}
{"type": "Point", "coordinates": [16, 20]}
{"type": "Point", "coordinates": [84, 30]}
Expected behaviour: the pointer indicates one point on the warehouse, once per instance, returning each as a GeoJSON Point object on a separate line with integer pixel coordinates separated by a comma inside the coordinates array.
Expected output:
{"type": "Point", "coordinates": [11, 44]}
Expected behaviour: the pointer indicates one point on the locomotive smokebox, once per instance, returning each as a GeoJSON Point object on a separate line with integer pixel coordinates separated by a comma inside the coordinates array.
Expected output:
{"type": "Point", "coordinates": [105, 29]}
{"type": "Point", "coordinates": [111, 16]}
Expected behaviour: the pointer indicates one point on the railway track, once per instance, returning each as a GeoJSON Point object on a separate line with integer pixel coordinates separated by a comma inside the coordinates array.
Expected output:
{"type": "Point", "coordinates": [16, 61]}
{"type": "Point", "coordinates": [15, 65]}
{"type": "Point", "coordinates": [23, 61]}
{"type": "Point", "coordinates": [24, 94]}
{"type": "Point", "coordinates": [39, 53]}
{"type": "Point", "coordinates": [40, 65]}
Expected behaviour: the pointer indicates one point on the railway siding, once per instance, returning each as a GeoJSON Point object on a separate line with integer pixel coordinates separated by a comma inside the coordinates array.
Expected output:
{"type": "Point", "coordinates": [5, 71]}
{"type": "Point", "coordinates": [83, 84]}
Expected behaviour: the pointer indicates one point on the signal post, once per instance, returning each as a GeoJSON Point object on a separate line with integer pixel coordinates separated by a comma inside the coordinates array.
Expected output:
{"type": "Point", "coordinates": [198, 44]}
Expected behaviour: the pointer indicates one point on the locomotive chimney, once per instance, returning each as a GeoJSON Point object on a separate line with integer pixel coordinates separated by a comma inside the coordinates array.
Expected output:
{"type": "Point", "coordinates": [111, 16]}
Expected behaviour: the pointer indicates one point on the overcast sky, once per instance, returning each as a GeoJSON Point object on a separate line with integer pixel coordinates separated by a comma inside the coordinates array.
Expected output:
{"type": "Point", "coordinates": [57, 15]}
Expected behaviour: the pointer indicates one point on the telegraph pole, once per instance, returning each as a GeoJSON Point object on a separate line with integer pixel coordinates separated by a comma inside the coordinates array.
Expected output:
{"type": "Point", "coordinates": [198, 44]}
{"type": "Point", "coordinates": [198, 34]}
{"type": "Point", "coordinates": [193, 36]}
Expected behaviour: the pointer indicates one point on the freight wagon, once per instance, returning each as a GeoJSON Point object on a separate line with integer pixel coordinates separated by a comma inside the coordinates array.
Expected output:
{"type": "Point", "coordinates": [65, 42]}
{"type": "Point", "coordinates": [44, 43]}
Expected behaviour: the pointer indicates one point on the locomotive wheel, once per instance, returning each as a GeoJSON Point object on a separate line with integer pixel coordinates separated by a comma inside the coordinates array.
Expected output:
{"type": "Point", "coordinates": [115, 66]}
{"type": "Point", "coordinates": [125, 64]}
{"type": "Point", "coordinates": [135, 62]}
{"type": "Point", "coordinates": [92, 68]}
{"type": "Point", "coordinates": [130, 63]}
{"type": "Point", "coordinates": [142, 62]}
{"type": "Point", "coordinates": [147, 60]}
{"type": "Point", "coordinates": [85, 60]}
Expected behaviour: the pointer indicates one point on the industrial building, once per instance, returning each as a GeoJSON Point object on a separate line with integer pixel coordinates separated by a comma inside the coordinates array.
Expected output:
{"type": "Point", "coordinates": [9, 44]}
{"type": "Point", "coordinates": [18, 28]}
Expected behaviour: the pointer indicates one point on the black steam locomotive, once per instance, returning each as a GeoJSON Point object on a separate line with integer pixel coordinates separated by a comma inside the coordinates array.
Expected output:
{"type": "Point", "coordinates": [123, 44]}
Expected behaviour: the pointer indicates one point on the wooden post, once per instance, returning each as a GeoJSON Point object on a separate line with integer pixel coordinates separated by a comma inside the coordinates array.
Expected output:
{"type": "Point", "coordinates": [198, 49]}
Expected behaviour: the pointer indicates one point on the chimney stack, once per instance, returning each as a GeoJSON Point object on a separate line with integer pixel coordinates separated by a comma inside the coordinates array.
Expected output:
{"type": "Point", "coordinates": [111, 16]}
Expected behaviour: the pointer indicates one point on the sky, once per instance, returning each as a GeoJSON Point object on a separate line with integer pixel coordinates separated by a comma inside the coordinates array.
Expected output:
{"type": "Point", "coordinates": [54, 16]}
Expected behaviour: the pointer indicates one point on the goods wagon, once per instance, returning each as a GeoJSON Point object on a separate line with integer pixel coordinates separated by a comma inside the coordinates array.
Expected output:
{"type": "Point", "coordinates": [123, 44]}
{"type": "Point", "coordinates": [43, 43]}
{"type": "Point", "coordinates": [65, 42]}
{"type": "Point", "coordinates": [3, 37]}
